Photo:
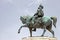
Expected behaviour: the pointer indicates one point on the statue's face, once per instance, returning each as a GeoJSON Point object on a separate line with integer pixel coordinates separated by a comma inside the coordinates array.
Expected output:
{"type": "Point", "coordinates": [39, 9]}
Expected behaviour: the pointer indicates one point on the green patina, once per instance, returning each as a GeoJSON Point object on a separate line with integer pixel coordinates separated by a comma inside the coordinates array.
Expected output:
{"type": "Point", "coordinates": [45, 19]}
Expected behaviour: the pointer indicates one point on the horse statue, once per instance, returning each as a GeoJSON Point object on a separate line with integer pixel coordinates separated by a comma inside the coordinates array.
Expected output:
{"type": "Point", "coordinates": [46, 24]}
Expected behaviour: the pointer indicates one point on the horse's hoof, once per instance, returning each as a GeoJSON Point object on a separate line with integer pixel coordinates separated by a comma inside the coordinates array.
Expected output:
{"type": "Point", "coordinates": [53, 37]}
{"type": "Point", "coordinates": [18, 32]}
{"type": "Point", "coordinates": [41, 35]}
{"type": "Point", "coordinates": [30, 36]}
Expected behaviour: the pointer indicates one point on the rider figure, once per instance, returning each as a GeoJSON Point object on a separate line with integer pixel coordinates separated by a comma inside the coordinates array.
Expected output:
{"type": "Point", "coordinates": [38, 14]}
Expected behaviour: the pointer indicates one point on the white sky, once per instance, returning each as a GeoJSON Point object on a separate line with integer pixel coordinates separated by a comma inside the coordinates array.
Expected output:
{"type": "Point", "coordinates": [11, 10]}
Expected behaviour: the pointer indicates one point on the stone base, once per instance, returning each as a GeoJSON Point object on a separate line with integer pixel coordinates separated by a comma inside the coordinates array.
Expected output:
{"type": "Point", "coordinates": [39, 38]}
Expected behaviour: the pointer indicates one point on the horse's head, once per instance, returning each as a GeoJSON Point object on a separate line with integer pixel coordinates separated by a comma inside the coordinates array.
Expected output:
{"type": "Point", "coordinates": [23, 19]}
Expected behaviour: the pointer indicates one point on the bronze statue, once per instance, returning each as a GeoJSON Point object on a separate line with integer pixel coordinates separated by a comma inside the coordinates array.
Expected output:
{"type": "Point", "coordinates": [46, 24]}
{"type": "Point", "coordinates": [38, 21]}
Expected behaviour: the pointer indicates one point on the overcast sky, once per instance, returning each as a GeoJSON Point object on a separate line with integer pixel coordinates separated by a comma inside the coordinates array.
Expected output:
{"type": "Point", "coordinates": [11, 10]}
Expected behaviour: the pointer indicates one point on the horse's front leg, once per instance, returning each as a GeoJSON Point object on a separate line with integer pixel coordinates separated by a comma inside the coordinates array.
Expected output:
{"type": "Point", "coordinates": [21, 27]}
{"type": "Point", "coordinates": [30, 29]}
{"type": "Point", "coordinates": [44, 30]}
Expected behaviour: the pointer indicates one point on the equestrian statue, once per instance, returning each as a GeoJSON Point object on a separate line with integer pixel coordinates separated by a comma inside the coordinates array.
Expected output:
{"type": "Point", "coordinates": [38, 20]}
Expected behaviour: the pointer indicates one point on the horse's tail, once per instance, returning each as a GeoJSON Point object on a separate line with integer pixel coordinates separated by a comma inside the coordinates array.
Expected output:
{"type": "Point", "coordinates": [54, 20]}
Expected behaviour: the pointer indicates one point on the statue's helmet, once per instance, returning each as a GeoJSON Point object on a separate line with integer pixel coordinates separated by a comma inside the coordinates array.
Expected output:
{"type": "Point", "coordinates": [40, 6]}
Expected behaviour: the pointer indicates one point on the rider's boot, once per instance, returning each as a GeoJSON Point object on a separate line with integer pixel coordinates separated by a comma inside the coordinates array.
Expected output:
{"type": "Point", "coordinates": [34, 29]}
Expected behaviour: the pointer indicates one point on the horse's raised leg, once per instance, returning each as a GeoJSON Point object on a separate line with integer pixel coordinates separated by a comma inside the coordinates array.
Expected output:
{"type": "Point", "coordinates": [30, 29]}
{"type": "Point", "coordinates": [21, 27]}
{"type": "Point", "coordinates": [44, 31]}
